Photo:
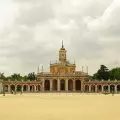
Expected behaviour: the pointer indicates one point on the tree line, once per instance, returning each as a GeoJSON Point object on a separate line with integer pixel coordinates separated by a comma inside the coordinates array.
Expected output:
{"type": "Point", "coordinates": [18, 77]}
{"type": "Point", "coordinates": [105, 74]}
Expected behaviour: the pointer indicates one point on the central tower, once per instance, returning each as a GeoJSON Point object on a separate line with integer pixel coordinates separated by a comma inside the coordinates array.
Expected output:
{"type": "Point", "coordinates": [63, 65]}
{"type": "Point", "coordinates": [62, 55]}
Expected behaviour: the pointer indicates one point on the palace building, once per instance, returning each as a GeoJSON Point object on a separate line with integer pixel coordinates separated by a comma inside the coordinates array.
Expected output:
{"type": "Point", "coordinates": [62, 77]}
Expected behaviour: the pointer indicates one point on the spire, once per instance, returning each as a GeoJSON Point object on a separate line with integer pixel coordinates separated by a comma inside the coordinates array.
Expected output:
{"type": "Point", "coordinates": [82, 68]}
{"type": "Point", "coordinates": [87, 69]}
{"type": "Point", "coordinates": [42, 68]}
{"type": "Point", "coordinates": [38, 69]}
{"type": "Point", "coordinates": [62, 44]}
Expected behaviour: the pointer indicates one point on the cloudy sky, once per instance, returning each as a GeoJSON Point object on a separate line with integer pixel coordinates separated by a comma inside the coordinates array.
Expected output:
{"type": "Point", "coordinates": [31, 32]}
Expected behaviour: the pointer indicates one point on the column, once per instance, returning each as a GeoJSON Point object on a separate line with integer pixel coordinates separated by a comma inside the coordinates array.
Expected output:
{"type": "Point", "coordinates": [42, 84]}
{"type": "Point", "coordinates": [96, 89]}
{"type": "Point", "coordinates": [84, 88]}
{"type": "Point", "coordinates": [102, 88]}
{"type": "Point", "coordinates": [50, 85]}
{"type": "Point", "coordinates": [89, 88]}
{"type": "Point", "coordinates": [58, 84]}
{"type": "Point", "coordinates": [73, 84]}
{"type": "Point", "coordinates": [15, 89]}
{"type": "Point", "coordinates": [28, 88]}
{"type": "Point", "coordinates": [66, 84]}
{"type": "Point", "coordinates": [82, 85]}
{"type": "Point", "coordinates": [9, 89]}
{"type": "Point", "coordinates": [22, 88]}
{"type": "Point", "coordinates": [34, 88]}
{"type": "Point", "coordinates": [37, 88]}
{"type": "Point", "coordinates": [108, 88]}
{"type": "Point", "coordinates": [115, 88]}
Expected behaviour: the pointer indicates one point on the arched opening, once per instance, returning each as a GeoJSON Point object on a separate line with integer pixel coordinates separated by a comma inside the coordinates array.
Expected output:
{"type": "Point", "coordinates": [112, 88]}
{"type": "Point", "coordinates": [78, 85]}
{"type": "Point", "coordinates": [6, 88]}
{"type": "Point", "coordinates": [25, 88]}
{"type": "Point", "coordinates": [32, 88]}
{"type": "Point", "coordinates": [54, 85]}
{"type": "Point", "coordinates": [62, 84]}
{"type": "Point", "coordinates": [86, 88]}
{"type": "Point", "coordinates": [38, 88]}
{"type": "Point", "coordinates": [105, 88]}
{"type": "Point", "coordinates": [70, 85]}
{"type": "Point", "coordinates": [118, 88]}
{"type": "Point", "coordinates": [19, 88]}
{"type": "Point", "coordinates": [47, 85]}
{"type": "Point", "coordinates": [99, 88]}
{"type": "Point", "coordinates": [92, 88]}
{"type": "Point", "coordinates": [12, 88]}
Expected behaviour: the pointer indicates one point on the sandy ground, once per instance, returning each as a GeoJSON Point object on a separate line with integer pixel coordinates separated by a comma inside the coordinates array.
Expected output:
{"type": "Point", "coordinates": [61, 106]}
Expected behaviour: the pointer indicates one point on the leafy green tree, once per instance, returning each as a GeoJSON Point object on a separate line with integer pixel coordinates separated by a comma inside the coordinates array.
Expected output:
{"type": "Point", "coordinates": [25, 78]}
{"type": "Point", "coordinates": [2, 76]}
{"type": "Point", "coordinates": [102, 73]}
{"type": "Point", "coordinates": [115, 73]}
{"type": "Point", "coordinates": [15, 76]}
{"type": "Point", "coordinates": [90, 78]}
{"type": "Point", "coordinates": [32, 76]}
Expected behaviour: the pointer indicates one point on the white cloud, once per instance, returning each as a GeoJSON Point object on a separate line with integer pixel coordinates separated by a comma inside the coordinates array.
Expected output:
{"type": "Point", "coordinates": [8, 11]}
{"type": "Point", "coordinates": [32, 31]}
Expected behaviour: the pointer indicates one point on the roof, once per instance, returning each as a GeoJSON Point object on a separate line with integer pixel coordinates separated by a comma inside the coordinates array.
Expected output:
{"type": "Point", "coordinates": [65, 64]}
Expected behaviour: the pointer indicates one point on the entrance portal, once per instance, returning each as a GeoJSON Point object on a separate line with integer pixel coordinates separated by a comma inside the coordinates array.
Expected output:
{"type": "Point", "coordinates": [62, 85]}
{"type": "Point", "coordinates": [47, 85]}
{"type": "Point", "coordinates": [70, 85]}
{"type": "Point", "coordinates": [54, 84]}
{"type": "Point", "coordinates": [78, 85]}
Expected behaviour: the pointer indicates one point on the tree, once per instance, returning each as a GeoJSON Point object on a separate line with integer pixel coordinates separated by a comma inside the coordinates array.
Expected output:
{"type": "Point", "coordinates": [102, 73]}
{"type": "Point", "coordinates": [32, 76]}
{"type": "Point", "coordinates": [25, 78]}
{"type": "Point", "coordinates": [115, 73]}
{"type": "Point", "coordinates": [90, 78]}
{"type": "Point", "coordinates": [15, 76]}
{"type": "Point", "coordinates": [2, 76]}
